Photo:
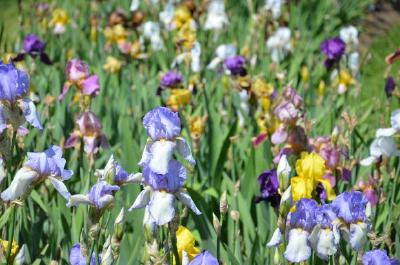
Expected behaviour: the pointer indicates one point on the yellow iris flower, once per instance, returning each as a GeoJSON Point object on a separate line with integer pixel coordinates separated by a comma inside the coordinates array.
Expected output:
{"type": "Point", "coordinates": [112, 65]}
{"type": "Point", "coordinates": [310, 170]}
{"type": "Point", "coordinates": [14, 247]}
{"type": "Point", "coordinates": [60, 17]}
{"type": "Point", "coordinates": [185, 242]}
{"type": "Point", "coordinates": [178, 98]}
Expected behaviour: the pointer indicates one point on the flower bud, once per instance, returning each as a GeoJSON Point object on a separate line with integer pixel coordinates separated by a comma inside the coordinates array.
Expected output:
{"type": "Point", "coordinates": [217, 225]}
{"type": "Point", "coordinates": [118, 225]}
{"type": "Point", "coordinates": [283, 172]}
{"type": "Point", "coordinates": [235, 215]}
{"type": "Point", "coordinates": [109, 171]}
{"type": "Point", "coordinates": [223, 203]}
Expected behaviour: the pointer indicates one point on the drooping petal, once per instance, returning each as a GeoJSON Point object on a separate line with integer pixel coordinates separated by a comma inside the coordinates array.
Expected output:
{"type": "Point", "coordinates": [91, 86]}
{"type": "Point", "coordinates": [188, 201]}
{"type": "Point", "coordinates": [64, 91]}
{"type": "Point", "coordinates": [134, 178]}
{"type": "Point", "coordinates": [276, 238]}
{"type": "Point", "coordinates": [385, 132]}
{"type": "Point", "coordinates": [161, 207]}
{"type": "Point", "coordinates": [76, 200]}
{"type": "Point", "coordinates": [325, 242]}
{"type": "Point", "coordinates": [29, 111]}
{"type": "Point", "coordinates": [368, 161]}
{"type": "Point", "coordinates": [142, 200]}
{"type": "Point", "coordinates": [358, 235]}
{"type": "Point", "coordinates": [146, 156]}
{"type": "Point", "coordinates": [204, 258]}
{"type": "Point", "coordinates": [161, 154]}
{"type": "Point", "coordinates": [3, 120]}
{"type": "Point", "coordinates": [60, 187]}
{"type": "Point", "coordinates": [297, 249]}
{"type": "Point", "coordinates": [184, 149]}
{"type": "Point", "coordinates": [20, 184]}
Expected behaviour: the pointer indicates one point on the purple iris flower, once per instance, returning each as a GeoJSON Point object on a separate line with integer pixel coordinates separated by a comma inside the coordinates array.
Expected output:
{"type": "Point", "coordinates": [304, 215]}
{"type": "Point", "coordinates": [204, 258]}
{"type": "Point", "coordinates": [77, 73]}
{"type": "Point", "coordinates": [171, 79]}
{"type": "Point", "coordinates": [269, 186]}
{"type": "Point", "coordinates": [236, 65]}
{"type": "Point", "coordinates": [40, 166]}
{"type": "Point", "coordinates": [162, 123]}
{"type": "Point", "coordinates": [302, 222]}
{"type": "Point", "coordinates": [172, 181]}
{"type": "Point", "coordinates": [101, 194]}
{"type": "Point", "coordinates": [389, 86]}
{"type": "Point", "coordinates": [14, 83]}
{"type": "Point", "coordinates": [350, 206]}
{"type": "Point", "coordinates": [76, 256]}
{"type": "Point", "coordinates": [378, 257]}
{"type": "Point", "coordinates": [33, 46]}
{"type": "Point", "coordinates": [333, 49]}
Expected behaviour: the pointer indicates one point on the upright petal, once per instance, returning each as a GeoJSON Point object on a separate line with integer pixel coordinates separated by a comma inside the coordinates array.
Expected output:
{"type": "Point", "coordinates": [161, 154]}
{"type": "Point", "coordinates": [29, 111]}
{"type": "Point", "coordinates": [20, 184]}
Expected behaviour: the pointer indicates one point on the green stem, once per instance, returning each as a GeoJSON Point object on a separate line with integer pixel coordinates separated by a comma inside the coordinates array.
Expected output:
{"type": "Point", "coordinates": [172, 233]}
{"type": "Point", "coordinates": [11, 236]}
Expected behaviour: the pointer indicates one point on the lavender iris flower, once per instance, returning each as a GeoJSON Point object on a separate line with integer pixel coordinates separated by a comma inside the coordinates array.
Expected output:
{"type": "Point", "coordinates": [15, 107]}
{"type": "Point", "coordinates": [114, 173]}
{"type": "Point", "coordinates": [76, 256]}
{"type": "Point", "coordinates": [302, 221]}
{"type": "Point", "coordinates": [160, 192]}
{"type": "Point", "coordinates": [378, 257]}
{"type": "Point", "coordinates": [350, 207]}
{"type": "Point", "coordinates": [333, 49]}
{"type": "Point", "coordinates": [163, 127]}
{"type": "Point", "coordinates": [325, 236]}
{"type": "Point", "coordinates": [269, 186]}
{"type": "Point", "coordinates": [33, 46]}
{"type": "Point", "coordinates": [39, 167]}
{"type": "Point", "coordinates": [204, 258]}
{"type": "Point", "coordinates": [236, 65]}
{"type": "Point", "coordinates": [100, 196]}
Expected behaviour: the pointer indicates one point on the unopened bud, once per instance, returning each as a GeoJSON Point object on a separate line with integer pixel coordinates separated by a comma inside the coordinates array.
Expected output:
{"type": "Point", "coordinates": [118, 225]}
{"type": "Point", "coordinates": [235, 215]}
{"type": "Point", "coordinates": [277, 256]}
{"type": "Point", "coordinates": [236, 188]}
{"type": "Point", "coordinates": [223, 204]}
{"type": "Point", "coordinates": [217, 225]}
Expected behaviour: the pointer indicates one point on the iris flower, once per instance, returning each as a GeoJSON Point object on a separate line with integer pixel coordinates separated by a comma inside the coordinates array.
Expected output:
{"type": "Point", "coordinates": [15, 106]}
{"type": "Point", "coordinates": [163, 127]}
{"type": "Point", "coordinates": [47, 165]}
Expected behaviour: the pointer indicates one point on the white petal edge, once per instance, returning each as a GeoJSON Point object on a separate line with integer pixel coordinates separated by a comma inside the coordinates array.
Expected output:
{"type": "Point", "coordinates": [161, 207]}
{"type": "Point", "coordinates": [297, 249]}
{"type": "Point", "coordinates": [276, 238]}
{"type": "Point", "coordinates": [60, 187]}
{"type": "Point", "coordinates": [184, 149]}
{"type": "Point", "coordinates": [20, 184]}
{"type": "Point", "coordinates": [142, 200]}
{"type": "Point", "coordinates": [77, 199]}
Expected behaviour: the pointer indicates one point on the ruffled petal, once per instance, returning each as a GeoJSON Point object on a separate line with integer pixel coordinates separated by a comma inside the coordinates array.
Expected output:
{"type": "Point", "coordinates": [325, 242]}
{"type": "Point", "coordinates": [20, 184]}
{"type": "Point", "coordinates": [297, 249]}
{"type": "Point", "coordinates": [188, 201]}
{"type": "Point", "coordinates": [385, 132]}
{"type": "Point", "coordinates": [91, 86]}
